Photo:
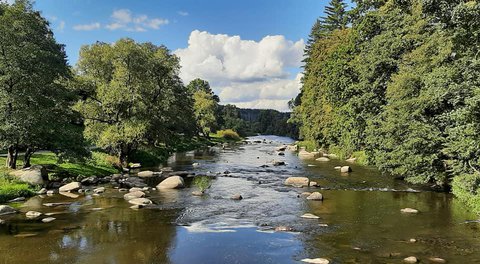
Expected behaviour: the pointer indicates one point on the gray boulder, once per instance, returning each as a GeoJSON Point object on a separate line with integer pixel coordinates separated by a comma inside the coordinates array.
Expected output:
{"type": "Point", "coordinates": [5, 209]}
{"type": "Point", "coordinates": [297, 181]}
{"type": "Point", "coordinates": [316, 196]}
{"type": "Point", "coordinates": [34, 175]}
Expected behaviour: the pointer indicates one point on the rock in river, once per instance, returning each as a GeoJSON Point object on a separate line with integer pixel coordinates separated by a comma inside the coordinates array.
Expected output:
{"type": "Point", "coordinates": [172, 182]}
{"type": "Point", "coordinates": [310, 216]}
{"type": "Point", "coordinates": [236, 197]}
{"type": "Point", "coordinates": [32, 214]}
{"type": "Point", "coordinates": [99, 190]}
{"type": "Point", "coordinates": [146, 174]}
{"type": "Point", "coordinates": [73, 186]}
{"type": "Point", "coordinates": [48, 219]}
{"type": "Point", "coordinates": [409, 211]}
{"type": "Point", "coordinates": [297, 181]}
{"type": "Point", "coordinates": [316, 196]}
{"type": "Point", "coordinates": [345, 169]}
{"type": "Point", "coordinates": [323, 159]}
{"type": "Point", "coordinates": [437, 260]}
{"type": "Point", "coordinates": [410, 260]}
{"type": "Point", "coordinates": [316, 261]}
{"type": "Point", "coordinates": [140, 201]}
{"type": "Point", "coordinates": [134, 195]}
{"type": "Point", "coordinates": [5, 209]}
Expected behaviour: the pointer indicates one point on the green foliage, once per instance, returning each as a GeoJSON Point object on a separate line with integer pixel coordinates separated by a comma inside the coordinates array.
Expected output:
{"type": "Point", "coordinates": [228, 134]}
{"type": "Point", "coordinates": [132, 97]}
{"type": "Point", "coordinates": [202, 183]}
{"type": "Point", "coordinates": [399, 88]}
{"type": "Point", "coordinates": [35, 100]}
{"type": "Point", "coordinates": [11, 189]}
{"type": "Point", "coordinates": [467, 188]}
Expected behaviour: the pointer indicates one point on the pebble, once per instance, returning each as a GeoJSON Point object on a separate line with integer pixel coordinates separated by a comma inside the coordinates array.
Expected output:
{"type": "Point", "coordinates": [437, 260]}
{"type": "Point", "coordinates": [48, 219]}
{"type": "Point", "coordinates": [409, 211]}
{"type": "Point", "coordinates": [410, 260]}
{"type": "Point", "coordinates": [32, 214]}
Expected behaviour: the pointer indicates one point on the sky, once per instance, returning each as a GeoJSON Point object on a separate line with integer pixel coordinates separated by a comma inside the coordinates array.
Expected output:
{"type": "Point", "coordinates": [249, 50]}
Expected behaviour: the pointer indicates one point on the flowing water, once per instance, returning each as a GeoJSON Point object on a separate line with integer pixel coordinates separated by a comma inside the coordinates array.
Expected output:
{"type": "Point", "coordinates": [360, 219]}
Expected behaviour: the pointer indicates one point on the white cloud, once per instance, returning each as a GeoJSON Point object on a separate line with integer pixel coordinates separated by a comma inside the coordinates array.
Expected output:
{"type": "Point", "coordinates": [87, 27]}
{"type": "Point", "coordinates": [244, 72]}
{"type": "Point", "coordinates": [123, 19]}
{"type": "Point", "coordinates": [183, 13]}
{"type": "Point", "coordinates": [61, 26]}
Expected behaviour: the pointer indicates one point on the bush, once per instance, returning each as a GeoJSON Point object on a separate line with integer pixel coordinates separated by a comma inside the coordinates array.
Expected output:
{"type": "Point", "coordinates": [10, 188]}
{"type": "Point", "coordinates": [229, 134]}
{"type": "Point", "coordinates": [309, 145]}
{"type": "Point", "coordinates": [202, 183]}
{"type": "Point", "coordinates": [467, 188]}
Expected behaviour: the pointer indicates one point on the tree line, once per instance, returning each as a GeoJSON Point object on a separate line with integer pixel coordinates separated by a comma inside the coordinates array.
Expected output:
{"type": "Point", "coordinates": [397, 80]}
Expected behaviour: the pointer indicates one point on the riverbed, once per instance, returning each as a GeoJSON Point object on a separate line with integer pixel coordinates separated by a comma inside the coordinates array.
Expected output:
{"type": "Point", "coordinates": [360, 219]}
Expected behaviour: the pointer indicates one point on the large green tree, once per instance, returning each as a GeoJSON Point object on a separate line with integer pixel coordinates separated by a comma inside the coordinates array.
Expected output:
{"type": "Point", "coordinates": [205, 106]}
{"type": "Point", "coordinates": [35, 103]}
{"type": "Point", "coordinates": [132, 97]}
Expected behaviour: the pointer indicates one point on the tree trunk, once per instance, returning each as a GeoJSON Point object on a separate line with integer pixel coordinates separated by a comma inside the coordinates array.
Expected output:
{"type": "Point", "coordinates": [123, 156]}
{"type": "Point", "coordinates": [28, 154]}
{"type": "Point", "coordinates": [12, 154]}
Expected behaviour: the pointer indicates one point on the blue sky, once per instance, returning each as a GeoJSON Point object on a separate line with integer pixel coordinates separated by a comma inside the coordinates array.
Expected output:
{"type": "Point", "coordinates": [268, 34]}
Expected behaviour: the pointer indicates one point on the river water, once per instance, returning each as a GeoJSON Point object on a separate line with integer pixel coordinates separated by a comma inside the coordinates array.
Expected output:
{"type": "Point", "coordinates": [360, 219]}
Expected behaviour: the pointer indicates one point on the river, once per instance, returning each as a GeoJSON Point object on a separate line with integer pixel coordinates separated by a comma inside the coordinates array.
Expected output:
{"type": "Point", "coordinates": [360, 219]}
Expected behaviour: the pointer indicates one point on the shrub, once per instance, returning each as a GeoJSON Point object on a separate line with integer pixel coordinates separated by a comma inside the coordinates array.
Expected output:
{"type": "Point", "coordinates": [202, 183]}
{"type": "Point", "coordinates": [467, 188]}
{"type": "Point", "coordinates": [229, 134]}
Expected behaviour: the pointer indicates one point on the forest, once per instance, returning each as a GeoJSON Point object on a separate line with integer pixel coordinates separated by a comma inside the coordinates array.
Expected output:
{"type": "Point", "coordinates": [397, 84]}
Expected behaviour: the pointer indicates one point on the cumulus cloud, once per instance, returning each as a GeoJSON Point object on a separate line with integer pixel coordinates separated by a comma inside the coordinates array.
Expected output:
{"type": "Point", "coordinates": [123, 19]}
{"type": "Point", "coordinates": [87, 27]}
{"type": "Point", "coordinates": [244, 72]}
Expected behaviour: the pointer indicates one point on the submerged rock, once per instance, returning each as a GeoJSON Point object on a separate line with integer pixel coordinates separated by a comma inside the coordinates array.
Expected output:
{"type": "Point", "coordinates": [316, 261]}
{"type": "Point", "coordinates": [316, 196]}
{"type": "Point", "coordinates": [172, 182]}
{"type": "Point", "coordinates": [6, 209]}
{"type": "Point", "coordinates": [297, 181]}
{"type": "Point", "coordinates": [73, 186]}
{"type": "Point", "coordinates": [409, 211]}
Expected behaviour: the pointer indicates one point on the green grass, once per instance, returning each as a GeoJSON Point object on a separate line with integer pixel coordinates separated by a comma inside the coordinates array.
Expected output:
{"type": "Point", "coordinates": [308, 145]}
{"type": "Point", "coordinates": [11, 189]}
{"type": "Point", "coordinates": [467, 189]}
{"type": "Point", "coordinates": [97, 165]}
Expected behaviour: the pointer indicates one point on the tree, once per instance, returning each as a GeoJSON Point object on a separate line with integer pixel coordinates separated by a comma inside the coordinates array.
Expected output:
{"type": "Point", "coordinates": [336, 16]}
{"type": "Point", "coordinates": [132, 96]}
{"type": "Point", "coordinates": [205, 106]}
{"type": "Point", "coordinates": [35, 102]}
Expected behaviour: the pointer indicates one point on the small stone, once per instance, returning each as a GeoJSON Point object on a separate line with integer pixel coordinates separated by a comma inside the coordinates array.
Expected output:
{"type": "Point", "coordinates": [33, 214]}
{"type": "Point", "coordinates": [140, 201]}
{"type": "Point", "coordinates": [337, 167]}
{"type": "Point", "coordinates": [315, 196]}
{"type": "Point", "coordinates": [99, 190]}
{"type": "Point", "coordinates": [196, 164]}
{"type": "Point", "coordinates": [146, 189]}
{"type": "Point", "coordinates": [281, 153]}
{"type": "Point", "coordinates": [409, 211]}
{"type": "Point", "coordinates": [323, 225]}
{"type": "Point", "coordinates": [316, 261]}
{"type": "Point", "coordinates": [73, 186]}
{"type": "Point", "coordinates": [6, 209]}
{"type": "Point", "coordinates": [236, 197]}
{"type": "Point", "coordinates": [135, 165]}
{"type": "Point", "coordinates": [345, 169]}
{"type": "Point", "coordinates": [437, 260]}
{"type": "Point", "coordinates": [410, 260]}
{"type": "Point", "coordinates": [172, 182]}
{"type": "Point", "coordinates": [412, 240]}
{"type": "Point", "coordinates": [314, 184]}
{"type": "Point", "coordinates": [135, 189]}
{"type": "Point", "coordinates": [48, 219]}
{"type": "Point", "coordinates": [323, 159]}
{"type": "Point", "coordinates": [122, 190]}
{"type": "Point", "coordinates": [283, 229]}
{"type": "Point", "coordinates": [310, 216]}
{"type": "Point", "coordinates": [279, 163]}
{"type": "Point", "coordinates": [146, 174]}
{"type": "Point", "coordinates": [305, 194]}
{"type": "Point", "coordinates": [42, 191]}
{"type": "Point", "coordinates": [297, 181]}
{"type": "Point", "coordinates": [51, 192]}
{"type": "Point", "coordinates": [133, 195]}
{"type": "Point", "coordinates": [197, 193]}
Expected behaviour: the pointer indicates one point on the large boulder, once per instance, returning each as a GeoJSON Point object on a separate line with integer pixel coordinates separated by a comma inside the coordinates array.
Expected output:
{"type": "Point", "coordinates": [172, 182]}
{"type": "Point", "coordinates": [297, 181]}
{"type": "Point", "coordinates": [5, 209]}
{"type": "Point", "coordinates": [70, 187]}
{"type": "Point", "coordinates": [34, 175]}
